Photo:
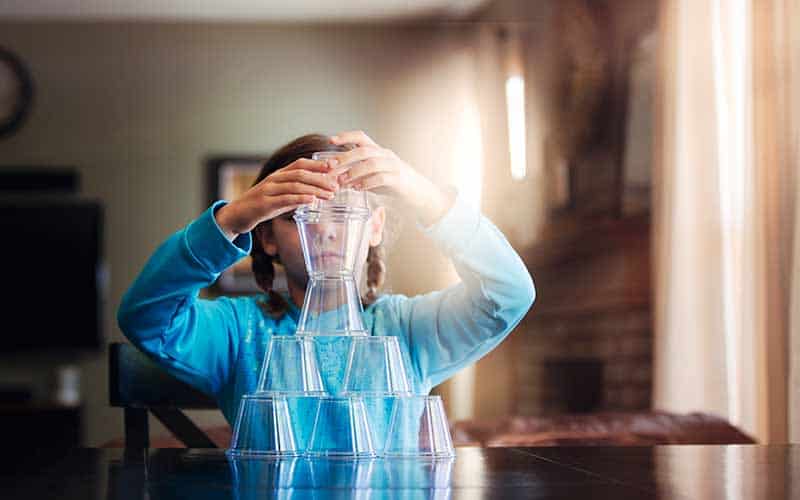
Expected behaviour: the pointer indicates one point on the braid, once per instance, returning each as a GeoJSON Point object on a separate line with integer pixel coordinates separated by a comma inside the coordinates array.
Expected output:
{"type": "Point", "coordinates": [263, 269]}
{"type": "Point", "coordinates": [376, 273]}
{"type": "Point", "coordinates": [264, 272]}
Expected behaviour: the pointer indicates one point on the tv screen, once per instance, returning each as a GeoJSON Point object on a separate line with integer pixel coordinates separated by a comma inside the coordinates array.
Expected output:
{"type": "Point", "coordinates": [52, 274]}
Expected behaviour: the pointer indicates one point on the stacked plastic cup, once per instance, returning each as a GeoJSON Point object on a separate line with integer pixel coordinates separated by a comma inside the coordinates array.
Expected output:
{"type": "Point", "coordinates": [331, 390]}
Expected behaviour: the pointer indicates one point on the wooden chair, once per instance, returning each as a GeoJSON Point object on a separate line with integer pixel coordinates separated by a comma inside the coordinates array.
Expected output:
{"type": "Point", "coordinates": [138, 385]}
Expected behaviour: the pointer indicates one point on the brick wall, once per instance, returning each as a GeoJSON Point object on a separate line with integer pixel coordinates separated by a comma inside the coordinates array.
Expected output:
{"type": "Point", "coordinates": [593, 305]}
{"type": "Point", "coordinates": [621, 341]}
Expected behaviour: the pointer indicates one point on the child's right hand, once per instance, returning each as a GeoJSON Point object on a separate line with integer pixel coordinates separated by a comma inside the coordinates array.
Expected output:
{"type": "Point", "coordinates": [282, 191]}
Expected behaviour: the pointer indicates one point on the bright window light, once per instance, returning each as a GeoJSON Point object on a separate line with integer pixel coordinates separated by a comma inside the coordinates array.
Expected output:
{"type": "Point", "coordinates": [515, 103]}
{"type": "Point", "coordinates": [730, 45]}
{"type": "Point", "coordinates": [469, 154]}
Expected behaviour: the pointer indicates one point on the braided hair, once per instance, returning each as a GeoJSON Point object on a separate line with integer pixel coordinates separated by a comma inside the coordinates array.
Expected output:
{"type": "Point", "coordinates": [263, 264]}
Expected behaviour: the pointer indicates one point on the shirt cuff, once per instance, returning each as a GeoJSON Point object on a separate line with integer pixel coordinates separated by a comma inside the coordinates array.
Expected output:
{"type": "Point", "coordinates": [456, 228]}
{"type": "Point", "coordinates": [209, 245]}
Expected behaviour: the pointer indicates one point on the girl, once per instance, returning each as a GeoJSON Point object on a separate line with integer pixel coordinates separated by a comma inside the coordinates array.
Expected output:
{"type": "Point", "coordinates": [218, 345]}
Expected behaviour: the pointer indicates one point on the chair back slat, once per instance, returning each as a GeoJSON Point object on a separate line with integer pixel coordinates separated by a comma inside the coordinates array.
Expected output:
{"type": "Point", "coordinates": [136, 381]}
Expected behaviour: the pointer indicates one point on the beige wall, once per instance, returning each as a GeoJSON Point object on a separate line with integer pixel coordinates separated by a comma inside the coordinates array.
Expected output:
{"type": "Point", "coordinates": [137, 107]}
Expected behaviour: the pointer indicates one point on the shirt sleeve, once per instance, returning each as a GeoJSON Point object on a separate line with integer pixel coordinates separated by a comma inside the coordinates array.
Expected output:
{"type": "Point", "coordinates": [448, 329]}
{"type": "Point", "coordinates": [196, 340]}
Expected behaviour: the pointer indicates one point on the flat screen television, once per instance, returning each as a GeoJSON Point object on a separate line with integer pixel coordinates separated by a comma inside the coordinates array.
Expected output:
{"type": "Point", "coordinates": [52, 274]}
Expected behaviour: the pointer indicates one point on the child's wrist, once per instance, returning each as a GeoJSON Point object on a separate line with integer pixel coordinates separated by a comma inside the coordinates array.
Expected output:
{"type": "Point", "coordinates": [434, 206]}
{"type": "Point", "coordinates": [222, 216]}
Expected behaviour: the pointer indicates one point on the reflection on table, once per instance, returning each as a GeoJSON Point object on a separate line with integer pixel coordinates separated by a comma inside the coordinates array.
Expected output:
{"type": "Point", "coordinates": [663, 472]}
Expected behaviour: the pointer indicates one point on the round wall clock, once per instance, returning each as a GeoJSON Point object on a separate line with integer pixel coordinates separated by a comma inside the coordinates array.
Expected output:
{"type": "Point", "coordinates": [16, 92]}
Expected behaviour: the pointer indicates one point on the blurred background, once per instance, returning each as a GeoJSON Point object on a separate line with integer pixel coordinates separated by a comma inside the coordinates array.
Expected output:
{"type": "Point", "coordinates": [640, 156]}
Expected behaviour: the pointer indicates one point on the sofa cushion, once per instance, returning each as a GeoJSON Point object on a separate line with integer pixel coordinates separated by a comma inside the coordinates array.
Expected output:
{"type": "Point", "coordinates": [610, 428]}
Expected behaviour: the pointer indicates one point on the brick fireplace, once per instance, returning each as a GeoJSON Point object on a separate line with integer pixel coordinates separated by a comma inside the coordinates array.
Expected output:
{"type": "Point", "coordinates": [592, 320]}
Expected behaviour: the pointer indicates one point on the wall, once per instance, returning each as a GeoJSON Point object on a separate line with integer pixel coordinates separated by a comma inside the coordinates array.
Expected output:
{"type": "Point", "coordinates": [589, 250]}
{"type": "Point", "coordinates": [137, 107]}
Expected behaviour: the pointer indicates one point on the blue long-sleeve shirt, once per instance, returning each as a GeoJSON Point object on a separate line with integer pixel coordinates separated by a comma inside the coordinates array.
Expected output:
{"type": "Point", "coordinates": [218, 345]}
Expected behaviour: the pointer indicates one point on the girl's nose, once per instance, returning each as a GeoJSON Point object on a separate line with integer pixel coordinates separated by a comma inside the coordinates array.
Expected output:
{"type": "Point", "coordinates": [325, 234]}
{"type": "Point", "coordinates": [329, 232]}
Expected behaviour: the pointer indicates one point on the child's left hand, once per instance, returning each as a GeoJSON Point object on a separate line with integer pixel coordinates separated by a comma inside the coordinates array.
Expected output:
{"type": "Point", "coordinates": [374, 168]}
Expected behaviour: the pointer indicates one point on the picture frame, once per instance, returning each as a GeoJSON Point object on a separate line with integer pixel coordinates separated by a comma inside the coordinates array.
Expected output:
{"type": "Point", "coordinates": [228, 176]}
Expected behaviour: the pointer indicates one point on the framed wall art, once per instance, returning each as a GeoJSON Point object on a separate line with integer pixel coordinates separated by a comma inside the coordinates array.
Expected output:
{"type": "Point", "coordinates": [229, 177]}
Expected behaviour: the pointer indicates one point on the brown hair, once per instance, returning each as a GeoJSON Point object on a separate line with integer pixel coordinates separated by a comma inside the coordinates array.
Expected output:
{"type": "Point", "coordinates": [264, 264]}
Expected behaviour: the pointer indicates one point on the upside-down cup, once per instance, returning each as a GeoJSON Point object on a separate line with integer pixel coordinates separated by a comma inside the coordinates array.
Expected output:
{"type": "Point", "coordinates": [418, 428]}
{"type": "Point", "coordinates": [331, 306]}
{"type": "Point", "coordinates": [341, 430]}
{"type": "Point", "coordinates": [291, 367]}
{"type": "Point", "coordinates": [263, 428]}
{"type": "Point", "coordinates": [375, 368]}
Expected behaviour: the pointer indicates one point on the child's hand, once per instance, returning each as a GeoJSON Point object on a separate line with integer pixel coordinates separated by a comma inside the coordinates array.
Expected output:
{"type": "Point", "coordinates": [282, 191]}
{"type": "Point", "coordinates": [373, 168]}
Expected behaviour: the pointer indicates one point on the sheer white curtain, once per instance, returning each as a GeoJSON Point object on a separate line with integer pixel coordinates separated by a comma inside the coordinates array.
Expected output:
{"type": "Point", "coordinates": [724, 202]}
{"type": "Point", "coordinates": [793, 105]}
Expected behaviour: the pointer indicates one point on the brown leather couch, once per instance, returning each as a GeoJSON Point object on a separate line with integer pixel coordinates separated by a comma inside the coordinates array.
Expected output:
{"type": "Point", "coordinates": [621, 429]}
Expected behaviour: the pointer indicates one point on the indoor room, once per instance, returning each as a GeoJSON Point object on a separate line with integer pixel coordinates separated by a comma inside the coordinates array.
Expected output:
{"type": "Point", "coordinates": [567, 245]}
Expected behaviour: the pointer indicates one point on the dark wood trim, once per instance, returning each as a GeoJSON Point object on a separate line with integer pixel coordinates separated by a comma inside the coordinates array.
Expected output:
{"type": "Point", "coordinates": [183, 428]}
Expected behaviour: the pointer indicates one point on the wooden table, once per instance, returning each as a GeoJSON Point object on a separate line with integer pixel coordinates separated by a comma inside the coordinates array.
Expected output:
{"type": "Point", "coordinates": [664, 472]}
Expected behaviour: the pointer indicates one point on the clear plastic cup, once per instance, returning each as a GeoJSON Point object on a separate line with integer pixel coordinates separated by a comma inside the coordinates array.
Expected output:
{"type": "Point", "coordinates": [375, 367]}
{"type": "Point", "coordinates": [331, 306]}
{"type": "Point", "coordinates": [291, 367]}
{"type": "Point", "coordinates": [418, 428]}
{"type": "Point", "coordinates": [265, 427]}
{"type": "Point", "coordinates": [331, 230]}
{"type": "Point", "coordinates": [332, 353]}
{"type": "Point", "coordinates": [379, 414]}
{"type": "Point", "coordinates": [325, 155]}
{"type": "Point", "coordinates": [341, 429]}
{"type": "Point", "coordinates": [353, 200]}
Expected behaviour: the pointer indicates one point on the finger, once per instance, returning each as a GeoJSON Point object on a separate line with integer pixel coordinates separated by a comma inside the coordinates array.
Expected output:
{"type": "Point", "coordinates": [364, 168]}
{"type": "Point", "coordinates": [338, 170]}
{"type": "Point", "coordinates": [312, 165]}
{"type": "Point", "coordinates": [325, 181]}
{"type": "Point", "coordinates": [362, 153]}
{"type": "Point", "coordinates": [282, 188]}
{"type": "Point", "coordinates": [289, 202]}
{"type": "Point", "coordinates": [357, 137]}
{"type": "Point", "coordinates": [375, 181]}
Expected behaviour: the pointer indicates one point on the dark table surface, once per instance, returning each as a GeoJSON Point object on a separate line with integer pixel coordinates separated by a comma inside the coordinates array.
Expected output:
{"type": "Point", "coordinates": [729, 472]}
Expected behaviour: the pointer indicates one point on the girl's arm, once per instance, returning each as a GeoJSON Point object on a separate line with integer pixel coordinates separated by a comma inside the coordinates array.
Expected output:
{"type": "Point", "coordinates": [452, 328]}
{"type": "Point", "coordinates": [449, 329]}
{"type": "Point", "coordinates": [196, 340]}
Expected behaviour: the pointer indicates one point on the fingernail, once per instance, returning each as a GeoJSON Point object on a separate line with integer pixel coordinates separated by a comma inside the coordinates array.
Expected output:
{"type": "Point", "coordinates": [334, 138]}
{"type": "Point", "coordinates": [342, 178]}
{"type": "Point", "coordinates": [333, 162]}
